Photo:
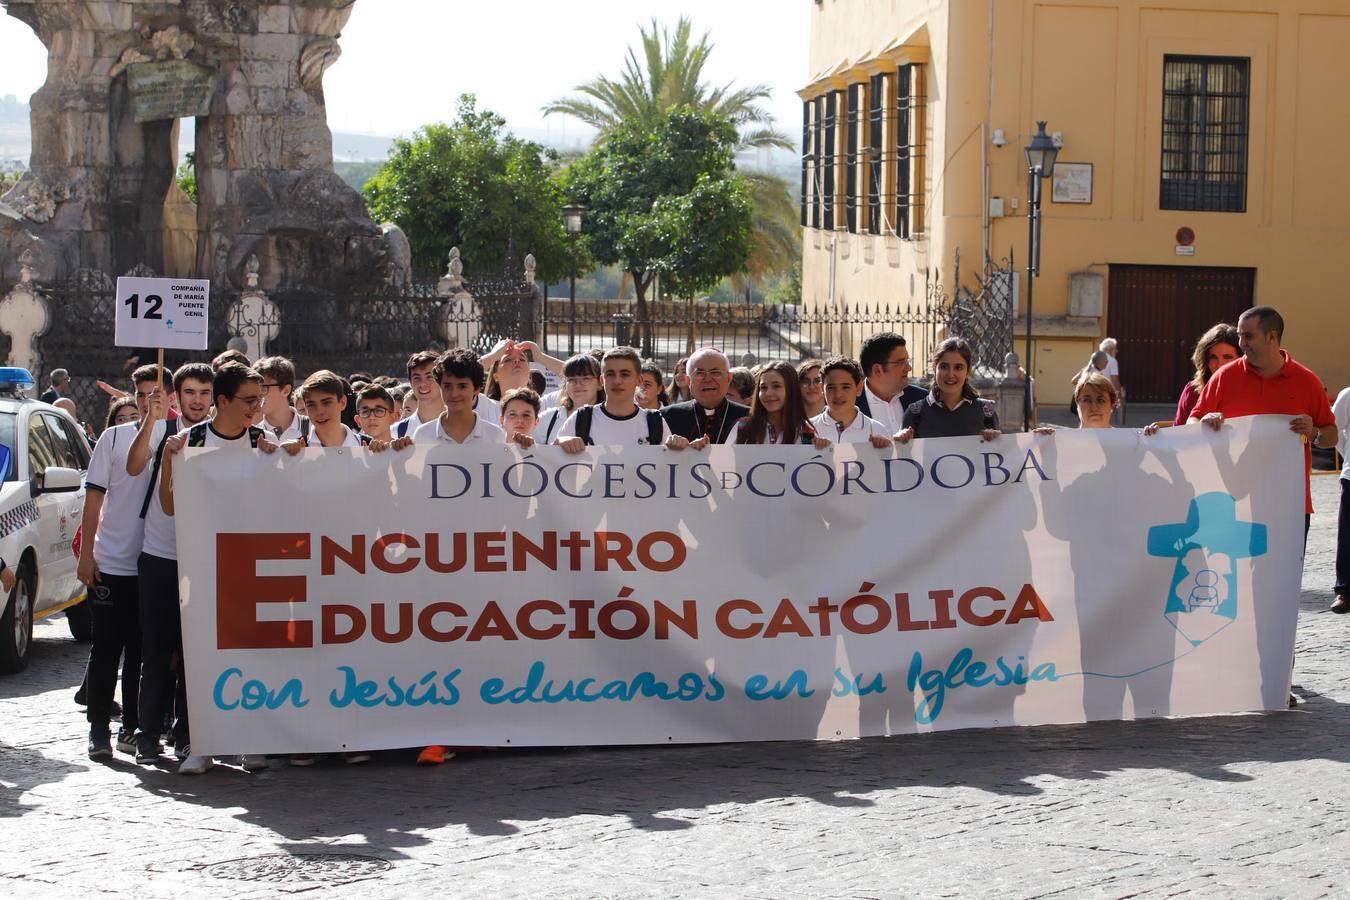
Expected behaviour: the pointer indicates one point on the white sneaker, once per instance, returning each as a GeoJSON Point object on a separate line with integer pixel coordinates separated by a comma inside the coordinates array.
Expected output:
{"type": "Point", "coordinates": [253, 762]}
{"type": "Point", "coordinates": [195, 765]}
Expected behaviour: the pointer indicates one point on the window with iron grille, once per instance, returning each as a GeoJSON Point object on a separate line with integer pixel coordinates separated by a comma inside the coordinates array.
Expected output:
{"type": "Point", "coordinates": [910, 129]}
{"type": "Point", "coordinates": [852, 156]}
{"type": "Point", "coordinates": [827, 143]}
{"type": "Point", "coordinates": [1206, 102]}
{"type": "Point", "coordinates": [876, 111]}
{"type": "Point", "coordinates": [808, 160]}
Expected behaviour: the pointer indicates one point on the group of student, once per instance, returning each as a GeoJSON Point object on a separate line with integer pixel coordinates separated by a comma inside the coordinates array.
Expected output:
{"type": "Point", "coordinates": [610, 398]}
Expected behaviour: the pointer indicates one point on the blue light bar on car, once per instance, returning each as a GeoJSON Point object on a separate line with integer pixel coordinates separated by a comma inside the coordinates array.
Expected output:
{"type": "Point", "coordinates": [14, 380]}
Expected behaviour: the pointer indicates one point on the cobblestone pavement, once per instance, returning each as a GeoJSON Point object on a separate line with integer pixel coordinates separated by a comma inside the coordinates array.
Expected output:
{"type": "Point", "coordinates": [1251, 805]}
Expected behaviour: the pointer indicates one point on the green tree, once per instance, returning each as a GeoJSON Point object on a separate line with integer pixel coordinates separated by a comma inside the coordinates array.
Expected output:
{"type": "Point", "coordinates": [663, 198]}
{"type": "Point", "coordinates": [472, 185]}
{"type": "Point", "coordinates": [187, 175]}
{"type": "Point", "coordinates": [668, 74]}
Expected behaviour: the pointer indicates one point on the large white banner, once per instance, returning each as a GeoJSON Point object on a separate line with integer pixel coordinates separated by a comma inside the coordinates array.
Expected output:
{"type": "Point", "coordinates": [484, 597]}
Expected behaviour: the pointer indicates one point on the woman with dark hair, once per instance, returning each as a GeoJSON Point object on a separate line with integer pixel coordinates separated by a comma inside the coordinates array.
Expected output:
{"type": "Point", "coordinates": [122, 411]}
{"type": "Point", "coordinates": [1215, 349]}
{"type": "Point", "coordinates": [953, 408]}
{"type": "Point", "coordinates": [777, 414]}
{"type": "Point", "coordinates": [811, 377]}
{"type": "Point", "coordinates": [651, 392]}
{"type": "Point", "coordinates": [581, 386]}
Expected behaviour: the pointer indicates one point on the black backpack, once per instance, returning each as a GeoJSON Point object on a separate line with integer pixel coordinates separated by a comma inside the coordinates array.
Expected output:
{"type": "Point", "coordinates": [656, 430]}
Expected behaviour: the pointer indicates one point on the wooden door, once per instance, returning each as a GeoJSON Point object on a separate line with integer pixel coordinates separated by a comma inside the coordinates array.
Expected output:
{"type": "Point", "coordinates": [1157, 313]}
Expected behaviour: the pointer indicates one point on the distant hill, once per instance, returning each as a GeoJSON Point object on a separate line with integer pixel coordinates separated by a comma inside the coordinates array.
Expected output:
{"type": "Point", "coordinates": [348, 147]}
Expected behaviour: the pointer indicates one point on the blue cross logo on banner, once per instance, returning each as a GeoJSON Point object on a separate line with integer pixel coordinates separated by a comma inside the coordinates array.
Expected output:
{"type": "Point", "coordinates": [1203, 598]}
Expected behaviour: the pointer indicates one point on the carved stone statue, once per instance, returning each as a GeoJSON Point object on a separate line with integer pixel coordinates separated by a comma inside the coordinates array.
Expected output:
{"type": "Point", "coordinates": [120, 75]}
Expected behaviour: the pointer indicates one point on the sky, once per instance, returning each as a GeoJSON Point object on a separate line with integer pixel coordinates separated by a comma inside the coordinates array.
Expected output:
{"type": "Point", "coordinates": [404, 62]}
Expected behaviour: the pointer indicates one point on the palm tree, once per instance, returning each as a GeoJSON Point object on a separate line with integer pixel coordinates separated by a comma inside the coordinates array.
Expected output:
{"type": "Point", "coordinates": [666, 77]}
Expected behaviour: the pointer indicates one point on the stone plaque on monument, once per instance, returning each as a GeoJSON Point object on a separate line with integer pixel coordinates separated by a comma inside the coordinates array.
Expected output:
{"type": "Point", "coordinates": [169, 90]}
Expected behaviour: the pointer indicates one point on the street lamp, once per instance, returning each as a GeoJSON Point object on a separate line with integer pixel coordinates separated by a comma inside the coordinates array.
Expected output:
{"type": "Point", "coordinates": [572, 214]}
{"type": "Point", "coordinates": [1041, 153]}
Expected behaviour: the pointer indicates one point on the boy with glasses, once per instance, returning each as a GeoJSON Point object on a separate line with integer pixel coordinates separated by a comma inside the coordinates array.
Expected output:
{"type": "Point", "coordinates": [237, 392]}
{"type": "Point", "coordinates": [375, 413]}
{"type": "Point", "coordinates": [282, 421]}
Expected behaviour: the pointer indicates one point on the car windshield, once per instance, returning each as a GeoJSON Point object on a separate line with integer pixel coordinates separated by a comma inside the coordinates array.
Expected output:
{"type": "Point", "coordinates": [7, 445]}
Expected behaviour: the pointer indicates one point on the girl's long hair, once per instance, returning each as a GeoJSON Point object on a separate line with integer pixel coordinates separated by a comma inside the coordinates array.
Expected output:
{"type": "Point", "coordinates": [756, 425]}
{"type": "Point", "coordinates": [954, 345]}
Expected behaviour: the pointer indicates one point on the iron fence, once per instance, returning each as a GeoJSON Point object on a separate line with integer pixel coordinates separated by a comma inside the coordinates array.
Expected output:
{"type": "Point", "coordinates": [377, 332]}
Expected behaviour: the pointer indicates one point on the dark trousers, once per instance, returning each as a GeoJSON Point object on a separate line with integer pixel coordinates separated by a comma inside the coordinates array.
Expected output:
{"type": "Point", "coordinates": [161, 642]}
{"type": "Point", "coordinates": [117, 635]}
{"type": "Point", "coordinates": [1343, 542]}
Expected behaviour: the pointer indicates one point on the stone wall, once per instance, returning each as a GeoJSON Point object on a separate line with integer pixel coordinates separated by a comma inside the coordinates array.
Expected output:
{"type": "Point", "coordinates": [104, 149]}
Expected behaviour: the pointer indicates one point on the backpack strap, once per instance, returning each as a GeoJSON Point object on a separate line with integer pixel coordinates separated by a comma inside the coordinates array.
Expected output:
{"type": "Point", "coordinates": [583, 427]}
{"type": "Point", "coordinates": [304, 428]}
{"type": "Point", "coordinates": [197, 435]}
{"type": "Point", "coordinates": [553, 424]}
{"type": "Point", "coordinates": [170, 429]}
{"type": "Point", "coordinates": [364, 438]}
{"type": "Point", "coordinates": [656, 432]}
{"type": "Point", "coordinates": [255, 434]}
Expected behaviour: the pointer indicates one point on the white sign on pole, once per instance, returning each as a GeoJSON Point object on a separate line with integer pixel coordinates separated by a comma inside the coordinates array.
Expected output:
{"type": "Point", "coordinates": [169, 313]}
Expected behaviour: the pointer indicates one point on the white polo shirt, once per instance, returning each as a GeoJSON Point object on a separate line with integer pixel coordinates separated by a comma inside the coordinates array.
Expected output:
{"type": "Point", "coordinates": [349, 440]}
{"type": "Point", "coordinates": [483, 430]}
{"type": "Point", "coordinates": [117, 542]}
{"type": "Point", "coordinates": [859, 432]}
{"type": "Point", "coordinates": [408, 427]}
{"type": "Point", "coordinates": [279, 435]}
{"type": "Point", "coordinates": [487, 408]}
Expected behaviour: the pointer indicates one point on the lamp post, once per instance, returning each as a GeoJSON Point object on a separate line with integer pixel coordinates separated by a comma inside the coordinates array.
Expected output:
{"type": "Point", "coordinates": [1041, 153]}
{"type": "Point", "coordinates": [572, 213]}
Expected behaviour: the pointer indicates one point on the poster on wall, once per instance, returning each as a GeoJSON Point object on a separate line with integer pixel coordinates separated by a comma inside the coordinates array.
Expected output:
{"type": "Point", "coordinates": [1072, 183]}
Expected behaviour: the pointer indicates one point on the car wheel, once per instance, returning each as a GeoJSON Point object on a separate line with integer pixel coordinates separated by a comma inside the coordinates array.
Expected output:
{"type": "Point", "coordinates": [16, 625]}
{"type": "Point", "coordinates": [80, 618]}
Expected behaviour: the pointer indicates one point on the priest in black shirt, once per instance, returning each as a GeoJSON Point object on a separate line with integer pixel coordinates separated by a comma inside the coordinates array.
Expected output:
{"type": "Point", "coordinates": [710, 418]}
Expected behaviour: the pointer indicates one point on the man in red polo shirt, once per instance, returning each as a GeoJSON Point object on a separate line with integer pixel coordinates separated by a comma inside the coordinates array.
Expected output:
{"type": "Point", "coordinates": [1267, 380]}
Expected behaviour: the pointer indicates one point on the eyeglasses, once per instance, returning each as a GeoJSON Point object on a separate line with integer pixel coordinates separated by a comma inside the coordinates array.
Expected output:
{"type": "Point", "coordinates": [813, 382]}
{"type": "Point", "coordinates": [267, 387]}
{"type": "Point", "coordinates": [249, 402]}
{"type": "Point", "coordinates": [372, 412]}
{"type": "Point", "coordinates": [896, 362]}
{"type": "Point", "coordinates": [709, 373]}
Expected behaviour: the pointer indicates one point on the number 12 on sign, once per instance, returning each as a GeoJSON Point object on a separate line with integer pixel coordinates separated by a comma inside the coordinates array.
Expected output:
{"type": "Point", "coordinates": [168, 313]}
{"type": "Point", "coordinates": [152, 305]}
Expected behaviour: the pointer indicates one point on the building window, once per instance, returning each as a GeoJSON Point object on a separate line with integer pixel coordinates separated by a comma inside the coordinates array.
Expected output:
{"type": "Point", "coordinates": [852, 155]}
{"type": "Point", "coordinates": [1206, 100]}
{"type": "Point", "coordinates": [876, 111]}
{"type": "Point", "coordinates": [910, 127]}
{"type": "Point", "coordinates": [829, 129]}
{"type": "Point", "coordinates": [808, 160]}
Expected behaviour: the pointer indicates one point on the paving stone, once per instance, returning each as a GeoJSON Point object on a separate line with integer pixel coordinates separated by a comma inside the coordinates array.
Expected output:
{"type": "Point", "coordinates": [1253, 805]}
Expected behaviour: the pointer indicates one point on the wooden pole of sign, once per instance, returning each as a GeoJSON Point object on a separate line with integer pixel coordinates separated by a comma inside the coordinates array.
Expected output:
{"type": "Point", "coordinates": [159, 372]}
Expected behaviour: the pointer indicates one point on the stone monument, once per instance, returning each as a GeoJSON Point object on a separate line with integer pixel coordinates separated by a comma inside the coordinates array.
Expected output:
{"type": "Point", "coordinates": [121, 73]}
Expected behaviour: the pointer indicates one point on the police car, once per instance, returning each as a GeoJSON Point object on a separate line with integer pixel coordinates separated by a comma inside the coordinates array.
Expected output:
{"type": "Point", "coordinates": [43, 457]}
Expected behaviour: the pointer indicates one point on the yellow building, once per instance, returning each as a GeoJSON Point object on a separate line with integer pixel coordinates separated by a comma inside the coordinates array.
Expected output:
{"type": "Point", "coordinates": [1201, 168]}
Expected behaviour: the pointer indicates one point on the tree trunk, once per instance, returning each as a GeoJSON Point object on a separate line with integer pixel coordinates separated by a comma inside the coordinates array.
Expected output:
{"type": "Point", "coordinates": [644, 329]}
